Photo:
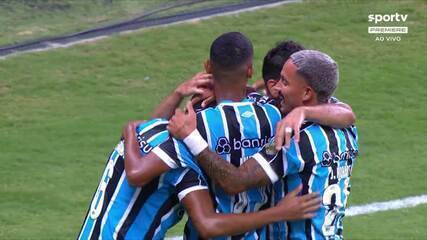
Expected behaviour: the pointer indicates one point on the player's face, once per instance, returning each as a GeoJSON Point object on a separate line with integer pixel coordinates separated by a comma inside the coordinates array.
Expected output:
{"type": "Point", "coordinates": [272, 91]}
{"type": "Point", "coordinates": [291, 87]}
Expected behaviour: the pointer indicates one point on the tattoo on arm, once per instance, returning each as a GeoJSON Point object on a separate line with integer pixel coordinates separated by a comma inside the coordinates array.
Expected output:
{"type": "Point", "coordinates": [230, 178]}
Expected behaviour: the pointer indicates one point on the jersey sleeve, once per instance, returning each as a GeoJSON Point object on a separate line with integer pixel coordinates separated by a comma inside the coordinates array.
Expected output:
{"type": "Point", "coordinates": [279, 164]}
{"type": "Point", "coordinates": [188, 182]}
{"type": "Point", "coordinates": [174, 153]}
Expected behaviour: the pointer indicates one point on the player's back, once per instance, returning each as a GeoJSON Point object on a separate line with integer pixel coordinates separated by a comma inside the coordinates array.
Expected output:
{"type": "Point", "coordinates": [119, 210]}
{"type": "Point", "coordinates": [325, 158]}
{"type": "Point", "coordinates": [236, 131]}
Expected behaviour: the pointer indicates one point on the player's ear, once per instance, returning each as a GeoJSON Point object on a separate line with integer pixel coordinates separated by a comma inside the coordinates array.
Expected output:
{"type": "Point", "coordinates": [208, 66]}
{"type": "Point", "coordinates": [249, 71]}
{"type": "Point", "coordinates": [271, 89]}
{"type": "Point", "coordinates": [308, 94]}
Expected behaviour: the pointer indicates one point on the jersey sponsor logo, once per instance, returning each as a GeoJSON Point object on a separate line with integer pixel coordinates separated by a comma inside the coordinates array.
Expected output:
{"type": "Point", "coordinates": [225, 146]}
{"type": "Point", "coordinates": [143, 145]}
{"type": "Point", "coordinates": [330, 158]}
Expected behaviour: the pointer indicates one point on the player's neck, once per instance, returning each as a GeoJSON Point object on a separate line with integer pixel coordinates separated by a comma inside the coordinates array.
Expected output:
{"type": "Point", "coordinates": [311, 102]}
{"type": "Point", "coordinates": [235, 93]}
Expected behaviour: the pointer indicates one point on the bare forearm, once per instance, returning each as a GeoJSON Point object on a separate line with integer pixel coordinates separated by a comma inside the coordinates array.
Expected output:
{"type": "Point", "coordinates": [234, 224]}
{"type": "Point", "coordinates": [232, 179]}
{"type": "Point", "coordinates": [221, 172]}
{"type": "Point", "coordinates": [333, 115]}
{"type": "Point", "coordinates": [168, 105]}
{"type": "Point", "coordinates": [132, 155]}
{"type": "Point", "coordinates": [211, 224]}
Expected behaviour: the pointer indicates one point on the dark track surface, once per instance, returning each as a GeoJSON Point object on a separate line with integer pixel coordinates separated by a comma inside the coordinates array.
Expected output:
{"type": "Point", "coordinates": [142, 21]}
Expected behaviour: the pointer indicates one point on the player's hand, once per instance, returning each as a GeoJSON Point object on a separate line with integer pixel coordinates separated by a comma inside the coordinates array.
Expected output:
{"type": "Point", "coordinates": [288, 125]}
{"type": "Point", "coordinates": [206, 97]}
{"type": "Point", "coordinates": [130, 127]}
{"type": "Point", "coordinates": [195, 85]}
{"type": "Point", "coordinates": [294, 207]}
{"type": "Point", "coordinates": [182, 123]}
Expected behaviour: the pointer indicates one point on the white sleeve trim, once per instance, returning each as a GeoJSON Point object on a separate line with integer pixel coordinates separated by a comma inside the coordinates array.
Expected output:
{"type": "Point", "coordinates": [267, 168]}
{"type": "Point", "coordinates": [195, 142]}
{"type": "Point", "coordinates": [164, 157]}
{"type": "Point", "coordinates": [183, 193]}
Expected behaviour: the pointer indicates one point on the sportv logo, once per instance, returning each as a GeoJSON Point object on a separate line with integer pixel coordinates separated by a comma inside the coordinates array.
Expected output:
{"type": "Point", "coordinates": [377, 18]}
{"type": "Point", "coordinates": [224, 146]}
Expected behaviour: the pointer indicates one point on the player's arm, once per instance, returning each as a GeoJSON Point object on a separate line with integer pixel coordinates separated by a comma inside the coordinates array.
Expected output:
{"type": "Point", "coordinates": [210, 224]}
{"type": "Point", "coordinates": [232, 179]}
{"type": "Point", "coordinates": [336, 115]}
{"type": "Point", "coordinates": [193, 192]}
{"type": "Point", "coordinates": [140, 169]}
{"type": "Point", "coordinates": [196, 85]}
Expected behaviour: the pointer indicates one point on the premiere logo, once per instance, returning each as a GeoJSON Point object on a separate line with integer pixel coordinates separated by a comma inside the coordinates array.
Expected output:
{"type": "Point", "coordinates": [388, 33]}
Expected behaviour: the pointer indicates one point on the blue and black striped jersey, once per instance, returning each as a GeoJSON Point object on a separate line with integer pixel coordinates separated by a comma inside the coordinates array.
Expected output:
{"type": "Point", "coordinates": [236, 131]}
{"type": "Point", "coordinates": [121, 211]}
{"type": "Point", "coordinates": [322, 161]}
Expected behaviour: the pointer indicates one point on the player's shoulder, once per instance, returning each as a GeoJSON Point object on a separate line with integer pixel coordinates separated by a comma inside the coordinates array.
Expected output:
{"type": "Point", "coordinates": [150, 124]}
{"type": "Point", "coordinates": [272, 113]}
{"type": "Point", "coordinates": [311, 132]}
{"type": "Point", "coordinates": [218, 108]}
{"type": "Point", "coordinates": [267, 108]}
{"type": "Point", "coordinates": [314, 129]}
{"type": "Point", "coordinates": [319, 132]}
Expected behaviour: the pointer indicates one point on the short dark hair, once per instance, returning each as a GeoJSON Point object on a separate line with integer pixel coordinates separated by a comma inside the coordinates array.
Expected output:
{"type": "Point", "coordinates": [231, 50]}
{"type": "Point", "coordinates": [276, 58]}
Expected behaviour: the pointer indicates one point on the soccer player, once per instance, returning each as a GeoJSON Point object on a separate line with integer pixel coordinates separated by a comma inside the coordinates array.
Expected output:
{"type": "Point", "coordinates": [220, 126]}
{"type": "Point", "coordinates": [272, 65]}
{"type": "Point", "coordinates": [120, 210]}
{"type": "Point", "coordinates": [235, 118]}
{"type": "Point", "coordinates": [322, 159]}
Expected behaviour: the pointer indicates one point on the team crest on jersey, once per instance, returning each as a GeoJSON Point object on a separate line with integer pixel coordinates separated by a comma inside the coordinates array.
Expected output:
{"type": "Point", "coordinates": [270, 147]}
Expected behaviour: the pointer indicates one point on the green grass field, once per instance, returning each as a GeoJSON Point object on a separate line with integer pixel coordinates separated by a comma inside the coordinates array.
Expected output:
{"type": "Point", "coordinates": [62, 111]}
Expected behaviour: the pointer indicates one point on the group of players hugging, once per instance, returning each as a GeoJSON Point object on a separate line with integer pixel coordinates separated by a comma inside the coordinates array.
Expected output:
{"type": "Point", "coordinates": [241, 164]}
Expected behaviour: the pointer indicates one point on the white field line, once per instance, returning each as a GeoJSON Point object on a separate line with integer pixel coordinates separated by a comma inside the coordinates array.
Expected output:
{"type": "Point", "coordinates": [54, 46]}
{"type": "Point", "coordinates": [374, 207]}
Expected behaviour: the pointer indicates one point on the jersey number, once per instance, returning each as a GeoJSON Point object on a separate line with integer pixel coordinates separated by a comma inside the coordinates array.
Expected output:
{"type": "Point", "coordinates": [98, 199]}
{"type": "Point", "coordinates": [333, 215]}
